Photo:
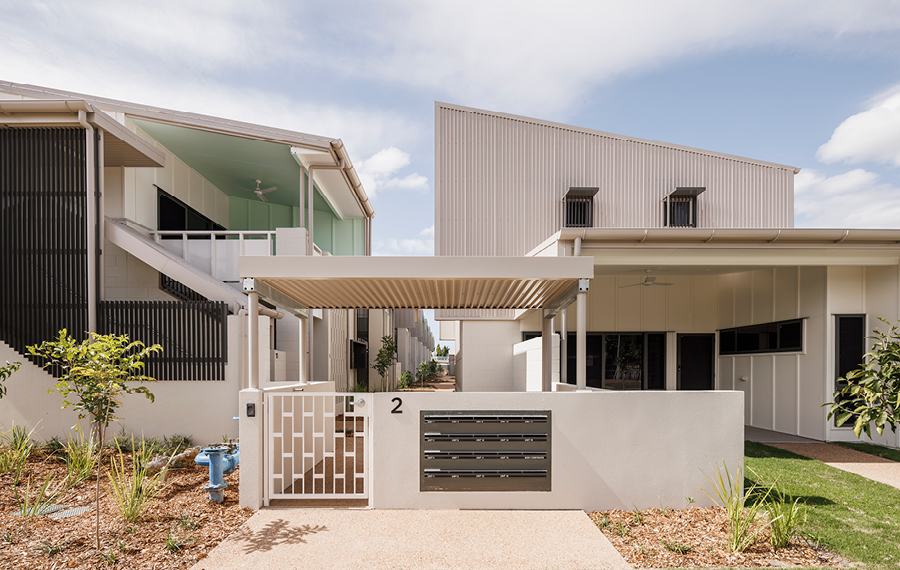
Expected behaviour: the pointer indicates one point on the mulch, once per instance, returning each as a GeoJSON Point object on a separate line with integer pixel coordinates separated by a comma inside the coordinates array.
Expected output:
{"type": "Point", "coordinates": [697, 537]}
{"type": "Point", "coordinates": [182, 513]}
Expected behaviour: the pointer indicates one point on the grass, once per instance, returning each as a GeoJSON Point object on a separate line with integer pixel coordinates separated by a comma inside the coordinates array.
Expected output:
{"type": "Point", "coordinates": [872, 449]}
{"type": "Point", "coordinates": [850, 515]}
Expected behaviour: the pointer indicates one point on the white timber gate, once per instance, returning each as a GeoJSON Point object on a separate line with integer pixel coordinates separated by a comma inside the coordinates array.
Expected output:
{"type": "Point", "coordinates": [317, 446]}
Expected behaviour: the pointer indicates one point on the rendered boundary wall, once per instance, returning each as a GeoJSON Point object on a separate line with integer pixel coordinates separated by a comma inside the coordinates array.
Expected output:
{"type": "Point", "coordinates": [610, 450]}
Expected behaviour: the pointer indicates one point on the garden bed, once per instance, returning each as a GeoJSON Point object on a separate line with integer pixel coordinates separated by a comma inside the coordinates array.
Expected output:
{"type": "Point", "coordinates": [176, 530]}
{"type": "Point", "coordinates": [697, 537]}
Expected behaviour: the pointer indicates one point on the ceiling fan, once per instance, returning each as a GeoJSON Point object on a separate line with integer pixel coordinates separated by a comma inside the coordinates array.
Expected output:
{"type": "Point", "coordinates": [259, 193]}
{"type": "Point", "coordinates": [647, 282]}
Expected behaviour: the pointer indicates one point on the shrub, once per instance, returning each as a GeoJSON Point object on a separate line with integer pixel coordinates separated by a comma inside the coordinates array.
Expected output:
{"type": "Point", "coordinates": [177, 443]}
{"type": "Point", "coordinates": [386, 357]}
{"type": "Point", "coordinates": [406, 380]}
{"type": "Point", "coordinates": [785, 518]}
{"type": "Point", "coordinates": [133, 491]}
{"type": "Point", "coordinates": [36, 499]}
{"type": "Point", "coordinates": [742, 528]}
{"type": "Point", "coordinates": [81, 459]}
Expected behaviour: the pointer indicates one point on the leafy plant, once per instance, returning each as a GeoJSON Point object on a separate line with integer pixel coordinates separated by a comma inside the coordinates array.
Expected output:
{"type": "Point", "coordinates": [406, 380]}
{"type": "Point", "coordinates": [621, 529]}
{"type": "Point", "coordinates": [785, 518]}
{"type": "Point", "coordinates": [427, 372]}
{"type": "Point", "coordinates": [187, 522]}
{"type": "Point", "coordinates": [173, 543]}
{"type": "Point", "coordinates": [177, 443]}
{"type": "Point", "coordinates": [742, 528]}
{"type": "Point", "coordinates": [386, 357]}
{"type": "Point", "coordinates": [18, 437]}
{"type": "Point", "coordinates": [81, 459]}
{"type": "Point", "coordinates": [132, 490]}
{"type": "Point", "coordinates": [50, 549]}
{"type": "Point", "coordinates": [36, 499]}
{"type": "Point", "coordinates": [677, 547]}
{"type": "Point", "coordinates": [638, 517]}
{"type": "Point", "coordinates": [442, 351]}
{"type": "Point", "coordinates": [605, 522]}
{"type": "Point", "coordinates": [5, 373]}
{"type": "Point", "coordinates": [872, 392]}
{"type": "Point", "coordinates": [359, 388]}
{"type": "Point", "coordinates": [53, 445]}
{"type": "Point", "coordinates": [108, 557]}
{"type": "Point", "coordinates": [94, 374]}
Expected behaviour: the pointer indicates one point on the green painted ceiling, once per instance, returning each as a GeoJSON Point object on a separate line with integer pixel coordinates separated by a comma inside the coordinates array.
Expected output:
{"type": "Point", "coordinates": [231, 162]}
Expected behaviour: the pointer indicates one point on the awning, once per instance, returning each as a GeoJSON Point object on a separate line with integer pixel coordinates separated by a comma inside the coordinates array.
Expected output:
{"type": "Point", "coordinates": [418, 282]}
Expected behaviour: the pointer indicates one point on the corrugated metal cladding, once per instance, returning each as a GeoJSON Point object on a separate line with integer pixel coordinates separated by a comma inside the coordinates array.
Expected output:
{"type": "Point", "coordinates": [500, 180]}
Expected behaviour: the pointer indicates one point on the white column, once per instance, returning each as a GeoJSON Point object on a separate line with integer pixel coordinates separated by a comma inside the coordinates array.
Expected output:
{"type": "Point", "coordinates": [547, 354]}
{"type": "Point", "coordinates": [563, 347]}
{"type": "Point", "coordinates": [253, 340]}
{"type": "Point", "coordinates": [581, 341]}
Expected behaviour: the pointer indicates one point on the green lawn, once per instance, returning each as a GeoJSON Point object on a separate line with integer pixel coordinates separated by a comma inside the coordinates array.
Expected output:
{"type": "Point", "coordinates": [879, 450]}
{"type": "Point", "coordinates": [850, 515]}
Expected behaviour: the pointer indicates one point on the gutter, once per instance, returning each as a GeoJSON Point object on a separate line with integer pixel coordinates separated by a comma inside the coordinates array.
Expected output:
{"type": "Point", "coordinates": [748, 236]}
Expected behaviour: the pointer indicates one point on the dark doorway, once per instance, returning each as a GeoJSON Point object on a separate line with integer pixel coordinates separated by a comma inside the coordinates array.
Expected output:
{"type": "Point", "coordinates": [696, 361]}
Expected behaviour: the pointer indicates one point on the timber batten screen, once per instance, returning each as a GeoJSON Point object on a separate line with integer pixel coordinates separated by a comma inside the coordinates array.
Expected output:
{"type": "Point", "coordinates": [193, 335]}
{"type": "Point", "coordinates": [43, 235]}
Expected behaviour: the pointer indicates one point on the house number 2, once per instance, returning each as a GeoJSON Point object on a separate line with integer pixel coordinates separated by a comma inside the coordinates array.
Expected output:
{"type": "Point", "coordinates": [397, 409]}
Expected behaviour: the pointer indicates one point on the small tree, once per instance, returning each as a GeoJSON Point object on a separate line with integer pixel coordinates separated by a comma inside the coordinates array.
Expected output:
{"type": "Point", "coordinates": [95, 373]}
{"type": "Point", "coordinates": [386, 357]}
{"type": "Point", "coordinates": [6, 372]}
{"type": "Point", "coordinates": [872, 393]}
{"type": "Point", "coordinates": [442, 351]}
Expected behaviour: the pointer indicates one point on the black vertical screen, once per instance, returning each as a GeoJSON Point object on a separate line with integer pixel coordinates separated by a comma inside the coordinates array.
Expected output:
{"type": "Point", "coordinates": [43, 235]}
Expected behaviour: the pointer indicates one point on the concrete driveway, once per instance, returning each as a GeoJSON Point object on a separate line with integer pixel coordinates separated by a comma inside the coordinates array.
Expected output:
{"type": "Point", "coordinates": [365, 539]}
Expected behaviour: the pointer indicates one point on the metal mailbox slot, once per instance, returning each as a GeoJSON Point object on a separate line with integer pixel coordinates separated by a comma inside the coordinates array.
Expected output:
{"type": "Point", "coordinates": [484, 450]}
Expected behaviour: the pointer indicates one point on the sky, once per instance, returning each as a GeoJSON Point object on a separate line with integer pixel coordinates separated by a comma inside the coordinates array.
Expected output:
{"type": "Point", "coordinates": [809, 83]}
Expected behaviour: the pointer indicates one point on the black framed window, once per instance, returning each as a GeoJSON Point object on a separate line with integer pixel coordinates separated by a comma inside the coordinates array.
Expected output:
{"type": "Point", "coordinates": [618, 361]}
{"type": "Point", "coordinates": [849, 348]}
{"type": "Point", "coordinates": [175, 215]}
{"type": "Point", "coordinates": [781, 336]}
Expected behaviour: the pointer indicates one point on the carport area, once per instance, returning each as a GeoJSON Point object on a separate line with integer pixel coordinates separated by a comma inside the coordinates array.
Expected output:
{"type": "Point", "coordinates": [545, 450]}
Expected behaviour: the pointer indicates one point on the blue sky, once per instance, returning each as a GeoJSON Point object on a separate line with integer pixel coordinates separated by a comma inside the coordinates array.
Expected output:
{"type": "Point", "coordinates": [813, 84]}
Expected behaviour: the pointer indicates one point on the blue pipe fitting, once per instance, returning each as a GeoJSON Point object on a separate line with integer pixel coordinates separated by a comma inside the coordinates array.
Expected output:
{"type": "Point", "coordinates": [221, 463]}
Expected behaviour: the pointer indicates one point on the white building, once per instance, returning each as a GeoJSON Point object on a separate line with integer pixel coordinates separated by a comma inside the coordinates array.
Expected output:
{"type": "Point", "coordinates": [700, 280]}
{"type": "Point", "coordinates": [118, 217]}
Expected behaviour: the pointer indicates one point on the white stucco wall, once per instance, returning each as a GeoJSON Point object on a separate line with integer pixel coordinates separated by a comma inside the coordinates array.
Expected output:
{"type": "Point", "coordinates": [610, 450]}
{"type": "Point", "coordinates": [488, 365]}
{"type": "Point", "coordinates": [203, 410]}
{"type": "Point", "coordinates": [528, 368]}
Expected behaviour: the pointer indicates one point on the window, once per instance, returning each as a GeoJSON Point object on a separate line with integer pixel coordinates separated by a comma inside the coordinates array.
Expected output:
{"type": "Point", "coordinates": [849, 348]}
{"type": "Point", "coordinates": [680, 208]}
{"type": "Point", "coordinates": [579, 207]}
{"type": "Point", "coordinates": [173, 214]}
{"type": "Point", "coordinates": [782, 336]}
{"type": "Point", "coordinates": [618, 361]}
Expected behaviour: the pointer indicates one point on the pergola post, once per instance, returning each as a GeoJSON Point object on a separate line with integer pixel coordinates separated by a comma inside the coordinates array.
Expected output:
{"type": "Point", "coordinates": [563, 347]}
{"type": "Point", "coordinates": [581, 334]}
{"type": "Point", "coordinates": [547, 354]}
{"type": "Point", "coordinates": [253, 340]}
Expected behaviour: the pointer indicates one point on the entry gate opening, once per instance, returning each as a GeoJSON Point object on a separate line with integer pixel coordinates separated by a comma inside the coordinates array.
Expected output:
{"type": "Point", "coordinates": [316, 446]}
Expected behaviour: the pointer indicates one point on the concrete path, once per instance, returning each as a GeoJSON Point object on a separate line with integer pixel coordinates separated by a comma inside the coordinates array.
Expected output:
{"type": "Point", "coordinates": [410, 539]}
{"type": "Point", "coordinates": [869, 466]}
{"type": "Point", "coordinates": [767, 436]}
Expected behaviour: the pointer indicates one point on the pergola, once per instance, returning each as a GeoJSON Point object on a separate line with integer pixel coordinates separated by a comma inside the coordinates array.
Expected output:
{"type": "Point", "coordinates": [297, 283]}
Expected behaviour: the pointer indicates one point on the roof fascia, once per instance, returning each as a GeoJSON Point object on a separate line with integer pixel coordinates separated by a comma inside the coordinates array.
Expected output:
{"type": "Point", "coordinates": [531, 120]}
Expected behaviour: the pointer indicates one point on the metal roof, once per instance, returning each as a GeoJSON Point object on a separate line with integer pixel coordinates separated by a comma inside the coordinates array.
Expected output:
{"type": "Point", "coordinates": [345, 282]}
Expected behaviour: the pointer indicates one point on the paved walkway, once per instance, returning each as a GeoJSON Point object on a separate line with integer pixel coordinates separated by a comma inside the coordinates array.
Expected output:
{"type": "Point", "coordinates": [366, 539]}
{"type": "Point", "coordinates": [869, 466]}
{"type": "Point", "coordinates": [760, 435]}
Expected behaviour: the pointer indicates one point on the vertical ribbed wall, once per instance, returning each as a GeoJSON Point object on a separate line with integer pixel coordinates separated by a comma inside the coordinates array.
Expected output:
{"type": "Point", "coordinates": [43, 235]}
{"type": "Point", "coordinates": [499, 182]}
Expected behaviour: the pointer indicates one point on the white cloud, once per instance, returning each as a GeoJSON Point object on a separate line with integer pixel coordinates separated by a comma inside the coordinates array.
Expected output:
{"type": "Point", "coordinates": [854, 199]}
{"type": "Point", "coordinates": [428, 231]}
{"type": "Point", "coordinates": [376, 172]}
{"type": "Point", "coordinates": [393, 246]}
{"type": "Point", "coordinates": [873, 135]}
{"type": "Point", "coordinates": [520, 56]}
